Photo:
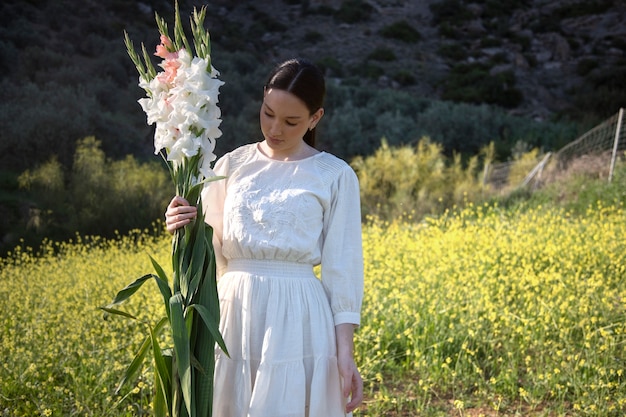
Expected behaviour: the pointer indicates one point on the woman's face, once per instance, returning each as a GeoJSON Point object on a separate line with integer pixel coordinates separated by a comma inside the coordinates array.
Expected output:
{"type": "Point", "coordinates": [284, 121]}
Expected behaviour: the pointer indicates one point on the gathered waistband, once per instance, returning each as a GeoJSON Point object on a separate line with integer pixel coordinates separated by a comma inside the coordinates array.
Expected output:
{"type": "Point", "coordinates": [271, 267]}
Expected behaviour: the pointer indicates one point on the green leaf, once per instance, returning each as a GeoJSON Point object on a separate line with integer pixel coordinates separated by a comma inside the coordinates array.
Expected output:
{"type": "Point", "coordinates": [163, 372]}
{"type": "Point", "coordinates": [159, 404]}
{"type": "Point", "coordinates": [135, 365]}
{"type": "Point", "coordinates": [161, 280]}
{"type": "Point", "coordinates": [212, 323]}
{"type": "Point", "coordinates": [180, 336]}
{"type": "Point", "coordinates": [207, 308]}
{"type": "Point", "coordinates": [118, 312]}
{"type": "Point", "coordinates": [198, 262]}
{"type": "Point", "coordinates": [129, 290]}
{"type": "Point", "coordinates": [179, 33]}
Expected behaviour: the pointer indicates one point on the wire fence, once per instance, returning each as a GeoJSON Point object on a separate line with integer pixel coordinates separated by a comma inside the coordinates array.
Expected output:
{"type": "Point", "coordinates": [597, 151]}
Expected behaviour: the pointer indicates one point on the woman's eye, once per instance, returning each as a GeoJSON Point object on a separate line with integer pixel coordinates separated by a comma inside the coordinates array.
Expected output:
{"type": "Point", "coordinates": [269, 115]}
{"type": "Point", "coordinates": [291, 124]}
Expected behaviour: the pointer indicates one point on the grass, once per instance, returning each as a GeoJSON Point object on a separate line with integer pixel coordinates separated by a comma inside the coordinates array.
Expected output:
{"type": "Point", "coordinates": [502, 309]}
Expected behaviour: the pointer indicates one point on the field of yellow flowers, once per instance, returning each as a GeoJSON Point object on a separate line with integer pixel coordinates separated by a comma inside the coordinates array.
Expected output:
{"type": "Point", "coordinates": [485, 311]}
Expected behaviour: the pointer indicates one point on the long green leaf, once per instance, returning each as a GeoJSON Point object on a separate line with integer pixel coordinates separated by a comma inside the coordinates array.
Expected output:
{"type": "Point", "coordinates": [135, 365]}
{"type": "Point", "coordinates": [161, 280]}
{"type": "Point", "coordinates": [181, 348]}
{"type": "Point", "coordinates": [212, 324]}
{"type": "Point", "coordinates": [159, 404]}
{"type": "Point", "coordinates": [118, 312]}
{"type": "Point", "coordinates": [125, 293]}
{"type": "Point", "coordinates": [203, 340]}
{"type": "Point", "coordinates": [163, 372]}
{"type": "Point", "coordinates": [198, 262]}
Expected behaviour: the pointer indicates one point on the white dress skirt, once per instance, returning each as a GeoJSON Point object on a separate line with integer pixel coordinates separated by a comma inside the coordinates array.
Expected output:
{"type": "Point", "coordinates": [273, 221]}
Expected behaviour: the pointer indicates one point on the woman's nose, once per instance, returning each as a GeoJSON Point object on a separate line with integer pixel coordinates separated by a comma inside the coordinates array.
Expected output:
{"type": "Point", "coordinates": [275, 128]}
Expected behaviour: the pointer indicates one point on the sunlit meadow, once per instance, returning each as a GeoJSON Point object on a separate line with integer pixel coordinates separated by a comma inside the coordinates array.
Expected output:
{"type": "Point", "coordinates": [484, 312]}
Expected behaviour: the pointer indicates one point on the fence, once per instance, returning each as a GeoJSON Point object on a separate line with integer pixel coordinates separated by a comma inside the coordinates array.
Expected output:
{"type": "Point", "coordinates": [600, 148]}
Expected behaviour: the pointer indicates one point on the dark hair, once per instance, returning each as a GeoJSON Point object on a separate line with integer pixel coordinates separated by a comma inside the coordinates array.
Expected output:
{"type": "Point", "coordinates": [304, 80]}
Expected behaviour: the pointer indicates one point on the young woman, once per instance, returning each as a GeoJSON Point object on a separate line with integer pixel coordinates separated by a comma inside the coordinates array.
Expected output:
{"type": "Point", "coordinates": [283, 208]}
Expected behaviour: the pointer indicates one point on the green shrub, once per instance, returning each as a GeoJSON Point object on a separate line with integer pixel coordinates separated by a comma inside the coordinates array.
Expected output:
{"type": "Point", "coordinates": [354, 11]}
{"type": "Point", "coordinates": [97, 196]}
{"type": "Point", "coordinates": [331, 66]}
{"type": "Point", "coordinates": [586, 65]}
{"type": "Point", "coordinates": [582, 8]}
{"type": "Point", "coordinates": [402, 31]}
{"type": "Point", "coordinates": [524, 41]}
{"type": "Point", "coordinates": [450, 31]}
{"type": "Point", "coordinates": [313, 37]}
{"type": "Point", "coordinates": [382, 54]}
{"type": "Point", "coordinates": [369, 70]}
{"type": "Point", "coordinates": [603, 91]}
{"type": "Point", "coordinates": [263, 23]}
{"type": "Point", "coordinates": [473, 83]}
{"type": "Point", "coordinates": [490, 42]}
{"type": "Point", "coordinates": [452, 12]}
{"type": "Point", "coordinates": [321, 10]}
{"type": "Point", "coordinates": [416, 180]}
{"type": "Point", "coordinates": [404, 77]}
{"type": "Point", "coordinates": [467, 128]}
{"type": "Point", "coordinates": [454, 51]}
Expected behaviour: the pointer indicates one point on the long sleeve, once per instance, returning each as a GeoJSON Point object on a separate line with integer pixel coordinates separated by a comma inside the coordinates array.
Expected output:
{"type": "Point", "coordinates": [213, 196]}
{"type": "Point", "coordinates": [342, 251]}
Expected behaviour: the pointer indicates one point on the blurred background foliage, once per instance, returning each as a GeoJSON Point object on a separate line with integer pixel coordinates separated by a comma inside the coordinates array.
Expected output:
{"type": "Point", "coordinates": [76, 154]}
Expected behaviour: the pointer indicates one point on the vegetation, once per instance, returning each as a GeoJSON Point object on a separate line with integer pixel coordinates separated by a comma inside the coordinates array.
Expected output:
{"type": "Point", "coordinates": [352, 11]}
{"type": "Point", "coordinates": [513, 309]}
{"type": "Point", "coordinates": [85, 86]}
{"type": "Point", "coordinates": [401, 30]}
{"type": "Point", "coordinates": [96, 196]}
{"type": "Point", "coordinates": [382, 54]}
{"type": "Point", "coordinates": [473, 83]}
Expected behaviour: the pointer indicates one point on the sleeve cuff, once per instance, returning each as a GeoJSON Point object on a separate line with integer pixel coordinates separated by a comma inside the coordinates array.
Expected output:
{"type": "Point", "coordinates": [347, 317]}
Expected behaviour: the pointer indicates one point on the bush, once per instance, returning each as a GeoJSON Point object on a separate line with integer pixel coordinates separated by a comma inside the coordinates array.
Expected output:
{"type": "Point", "coordinates": [313, 37]}
{"type": "Point", "coordinates": [453, 51]}
{"type": "Point", "coordinates": [416, 180]}
{"type": "Point", "coordinates": [382, 54]}
{"type": "Point", "coordinates": [467, 128]}
{"type": "Point", "coordinates": [451, 12]}
{"type": "Point", "coordinates": [473, 83]}
{"type": "Point", "coordinates": [330, 66]}
{"type": "Point", "coordinates": [354, 11]}
{"type": "Point", "coordinates": [586, 65]}
{"type": "Point", "coordinates": [404, 77]}
{"type": "Point", "coordinates": [96, 197]}
{"type": "Point", "coordinates": [402, 31]}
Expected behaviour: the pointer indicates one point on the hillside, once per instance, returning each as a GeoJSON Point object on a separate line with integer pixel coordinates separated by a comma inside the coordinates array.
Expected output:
{"type": "Point", "coordinates": [65, 74]}
{"type": "Point", "coordinates": [534, 57]}
{"type": "Point", "coordinates": [531, 75]}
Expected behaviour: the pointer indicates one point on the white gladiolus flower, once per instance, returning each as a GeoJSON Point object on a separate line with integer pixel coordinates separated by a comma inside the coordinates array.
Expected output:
{"type": "Point", "coordinates": [184, 110]}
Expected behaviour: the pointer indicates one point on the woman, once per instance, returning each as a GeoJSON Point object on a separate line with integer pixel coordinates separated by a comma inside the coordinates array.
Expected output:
{"type": "Point", "coordinates": [283, 208]}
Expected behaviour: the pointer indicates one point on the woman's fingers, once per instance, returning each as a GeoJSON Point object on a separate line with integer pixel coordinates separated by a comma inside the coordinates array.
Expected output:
{"type": "Point", "coordinates": [179, 213]}
{"type": "Point", "coordinates": [356, 397]}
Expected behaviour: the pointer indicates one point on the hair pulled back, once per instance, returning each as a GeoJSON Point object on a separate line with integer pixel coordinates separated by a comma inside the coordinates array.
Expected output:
{"type": "Point", "coordinates": [304, 80]}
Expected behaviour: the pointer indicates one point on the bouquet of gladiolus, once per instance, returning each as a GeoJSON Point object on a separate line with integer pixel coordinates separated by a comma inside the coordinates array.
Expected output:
{"type": "Point", "coordinates": [182, 102]}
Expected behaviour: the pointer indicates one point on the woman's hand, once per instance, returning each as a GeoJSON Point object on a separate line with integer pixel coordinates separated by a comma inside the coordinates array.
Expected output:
{"type": "Point", "coordinates": [352, 382]}
{"type": "Point", "coordinates": [179, 213]}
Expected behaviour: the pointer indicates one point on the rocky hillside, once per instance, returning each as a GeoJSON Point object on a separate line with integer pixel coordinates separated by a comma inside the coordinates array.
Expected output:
{"type": "Point", "coordinates": [534, 57]}
{"type": "Point", "coordinates": [65, 74]}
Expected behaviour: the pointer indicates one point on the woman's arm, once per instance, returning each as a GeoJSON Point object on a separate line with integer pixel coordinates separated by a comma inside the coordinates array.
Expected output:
{"type": "Point", "coordinates": [352, 381]}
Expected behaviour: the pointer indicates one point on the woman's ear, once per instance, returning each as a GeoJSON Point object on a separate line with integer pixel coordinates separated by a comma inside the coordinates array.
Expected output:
{"type": "Point", "coordinates": [316, 117]}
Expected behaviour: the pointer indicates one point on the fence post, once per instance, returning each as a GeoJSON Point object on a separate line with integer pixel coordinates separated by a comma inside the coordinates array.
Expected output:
{"type": "Point", "coordinates": [616, 142]}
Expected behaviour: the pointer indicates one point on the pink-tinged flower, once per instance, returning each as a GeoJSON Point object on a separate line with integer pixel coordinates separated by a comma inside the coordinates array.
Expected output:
{"type": "Point", "coordinates": [171, 69]}
{"type": "Point", "coordinates": [166, 49]}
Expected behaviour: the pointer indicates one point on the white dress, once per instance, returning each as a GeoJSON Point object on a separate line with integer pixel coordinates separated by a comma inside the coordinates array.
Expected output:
{"type": "Point", "coordinates": [273, 221]}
